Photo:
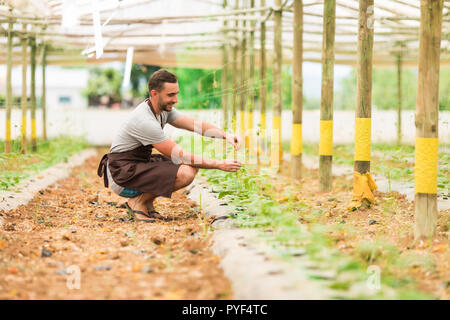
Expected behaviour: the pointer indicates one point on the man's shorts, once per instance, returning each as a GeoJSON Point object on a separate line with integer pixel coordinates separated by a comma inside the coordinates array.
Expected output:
{"type": "Point", "coordinates": [121, 191]}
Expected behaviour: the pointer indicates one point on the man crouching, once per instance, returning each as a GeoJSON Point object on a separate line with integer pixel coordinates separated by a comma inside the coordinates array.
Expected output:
{"type": "Point", "coordinates": [130, 168]}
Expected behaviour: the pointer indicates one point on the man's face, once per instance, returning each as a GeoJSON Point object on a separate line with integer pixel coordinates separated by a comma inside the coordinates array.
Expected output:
{"type": "Point", "coordinates": [167, 97]}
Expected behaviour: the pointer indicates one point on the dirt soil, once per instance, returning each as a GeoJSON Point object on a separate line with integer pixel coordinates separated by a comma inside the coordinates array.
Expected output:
{"type": "Point", "coordinates": [390, 220]}
{"type": "Point", "coordinates": [77, 223]}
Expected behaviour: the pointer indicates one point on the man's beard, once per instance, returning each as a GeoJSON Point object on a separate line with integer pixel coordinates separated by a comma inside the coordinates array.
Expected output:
{"type": "Point", "coordinates": [164, 106]}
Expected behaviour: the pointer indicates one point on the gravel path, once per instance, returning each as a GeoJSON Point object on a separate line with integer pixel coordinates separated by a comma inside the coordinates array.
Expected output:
{"type": "Point", "coordinates": [73, 241]}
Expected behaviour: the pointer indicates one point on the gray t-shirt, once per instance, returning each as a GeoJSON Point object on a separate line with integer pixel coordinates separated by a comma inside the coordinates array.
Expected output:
{"type": "Point", "coordinates": [140, 128]}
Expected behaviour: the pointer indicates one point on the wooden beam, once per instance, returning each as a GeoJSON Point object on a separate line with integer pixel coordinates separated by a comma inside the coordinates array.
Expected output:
{"type": "Point", "coordinates": [409, 4]}
{"type": "Point", "coordinates": [427, 112]}
{"type": "Point", "coordinates": [394, 12]}
{"type": "Point", "coordinates": [56, 19]}
{"type": "Point", "coordinates": [326, 102]}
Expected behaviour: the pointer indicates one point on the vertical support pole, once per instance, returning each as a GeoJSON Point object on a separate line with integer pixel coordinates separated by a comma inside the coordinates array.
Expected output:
{"type": "Point", "coordinates": [426, 121]}
{"type": "Point", "coordinates": [23, 100]}
{"type": "Point", "coordinates": [275, 143]}
{"type": "Point", "coordinates": [297, 92]}
{"type": "Point", "coordinates": [234, 77]}
{"type": "Point", "coordinates": [243, 89]}
{"type": "Point", "coordinates": [234, 81]}
{"type": "Point", "coordinates": [235, 73]}
{"type": "Point", "coordinates": [43, 104]}
{"type": "Point", "coordinates": [225, 93]}
{"type": "Point", "coordinates": [9, 98]}
{"type": "Point", "coordinates": [263, 82]}
{"type": "Point", "coordinates": [399, 97]}
{"type": "Point", "coordinates": [251, 78]}
{"type": "Point", "coordinates": [225, 73]}
{"type": "Point", "coordinates": [363, 183]}
{"type": "Point", "coordinates": [326, 103]}
{"type": "Point", "coordinates": [33, 94]}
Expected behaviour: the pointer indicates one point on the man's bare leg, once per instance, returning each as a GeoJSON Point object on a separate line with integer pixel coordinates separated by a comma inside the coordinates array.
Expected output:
{"type": "Point", "coordinates": [185, 176]}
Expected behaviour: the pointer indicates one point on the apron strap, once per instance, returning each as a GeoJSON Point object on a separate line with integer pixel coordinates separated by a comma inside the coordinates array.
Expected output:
{"type": "Point", "coordinates": [102, 170]}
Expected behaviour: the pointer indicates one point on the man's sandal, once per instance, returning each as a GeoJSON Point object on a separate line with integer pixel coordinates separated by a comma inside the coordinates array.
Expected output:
{"type": "Point", "coordinates": [155, 214]}
{"type": "Point", "coordinates": [132, 214]}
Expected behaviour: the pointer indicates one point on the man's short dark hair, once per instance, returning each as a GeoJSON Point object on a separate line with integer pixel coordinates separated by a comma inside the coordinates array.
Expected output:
{"type": "Point", "coordinates": [156, 81]}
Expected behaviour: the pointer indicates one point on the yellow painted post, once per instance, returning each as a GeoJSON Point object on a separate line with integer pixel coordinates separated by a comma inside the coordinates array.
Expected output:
{"type": "Point", "coordinates": [23, 100]}
{"type": "Point", "coordinates": [326, 103]}
{"type": "Point", "coordinates": [297, 92]}
{"type": "Point", "coordinates": [243, 88]}
{"type": "Point", "coordinates": [33, 94]}
{"type": "Point", "coordinates": [427, 113]}
{"type": "Point", "coordinates": [275, 144]}
{"type": "Point", "coordinates": [263, 85]}
{"type": "Point", "coordinates": [252, 91]}
{"type": "Point", "coordinates": [224, 87]}
{"type": "Point", "coordinates": [399, 97]}
{"type": "Point", "coordinates": [235, 78]}
{"type": "Point", "coordinates": [235, 82]}
{"type": "Point", "coordinates": [43, 99]}
{"type": "Point", "coordinates": [363, 183]}
{"type": "Point", "coordinates": [9, 98]}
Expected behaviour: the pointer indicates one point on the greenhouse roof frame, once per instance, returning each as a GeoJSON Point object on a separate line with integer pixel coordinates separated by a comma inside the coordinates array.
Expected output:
{"type": "Point", "coordinates": [194, 35]}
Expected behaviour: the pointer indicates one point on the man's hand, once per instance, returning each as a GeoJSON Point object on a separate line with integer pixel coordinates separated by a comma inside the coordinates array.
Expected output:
{"type": "Point", "coordinates": [229, 165]}
{"type": "Point", "coordinates": [233, 139]}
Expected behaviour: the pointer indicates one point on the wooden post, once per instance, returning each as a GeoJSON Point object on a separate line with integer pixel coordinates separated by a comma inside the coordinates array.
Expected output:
{"type": "Point", "coordinates": [399, 98]}
{"type": "Point", "coordinates": [364, 88]}
{"type": "Point", "coordinates": [326, 103]}
{"type": "Point", "coordinates": [9, 98]}
{"type": "Point", "coordinates": [33, 94]}
{"type": "Point", "coordinates": [225, 74]}
{"type": "Point", "coordinates": [262, 89]}
{"type": "Point", "coordinates": [297, 92]}
{"type": "Point", "coordinates": [224, 81]}
{"type": "Point", "coordinates": [263, 81]}
{"type": "Point", "coordinates": [362, 181]}
{"type": "Point", "coordinates": [235, 75]}
{"type": "Point", "coordinates": [24, 90]}
{"type": "Point", "coordinates": [276, 155]}
{"type": "Point", "coordinates": [43, 104]}
{"type": "Point", "coordinates": [427, 112]}
{"type": "Point", "coordinates": [234, 78]}
{"type": "Point", "coordinates": [251, 77]}
{"type": "Point", "coordinates": [243, 88]}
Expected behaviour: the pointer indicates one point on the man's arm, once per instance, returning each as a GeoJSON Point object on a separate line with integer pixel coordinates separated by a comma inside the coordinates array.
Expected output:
{"type": "Point", "coordinates": [205, 129]}
{"type": "Point", "coordinates": [170, 149]}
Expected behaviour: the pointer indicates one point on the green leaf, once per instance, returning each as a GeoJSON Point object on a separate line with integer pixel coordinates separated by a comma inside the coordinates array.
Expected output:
{"type": "Point", "coordinates": [223, 194]}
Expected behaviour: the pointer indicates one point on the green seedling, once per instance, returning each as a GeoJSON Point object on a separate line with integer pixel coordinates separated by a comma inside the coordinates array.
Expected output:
{"type": "Point", "coordinates": [253, 197]}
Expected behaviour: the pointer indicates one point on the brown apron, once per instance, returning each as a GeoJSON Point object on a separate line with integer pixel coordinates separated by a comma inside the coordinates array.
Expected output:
{"type": "Point", "coordinates": [138, 169]}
